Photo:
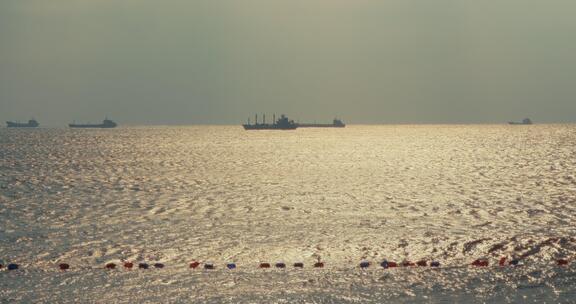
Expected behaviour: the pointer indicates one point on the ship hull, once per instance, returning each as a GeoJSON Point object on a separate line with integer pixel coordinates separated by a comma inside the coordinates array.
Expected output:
{"type": "Point", "coordinates": [320, 126]}
{"type": "Point", "coordinates": [11, 124]}
{"type": "Point", "coordinates": [269, 127]}
{"type": "Point", "coordinates": [91, 126]}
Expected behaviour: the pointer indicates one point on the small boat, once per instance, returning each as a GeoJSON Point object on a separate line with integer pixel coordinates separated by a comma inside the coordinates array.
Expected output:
{"type": "Point", "coordinates": [525, 121]}
{"type": "Point", "coordinates": [30, 124]}
{"type": "Point", "coordinates": [106, 124]}
{"type": "Point", "coordinates": [283, 123]}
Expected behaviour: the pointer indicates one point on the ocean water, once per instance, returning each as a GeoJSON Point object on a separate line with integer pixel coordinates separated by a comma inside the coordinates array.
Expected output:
{"type": "Point", "coordinates": [449, 193]}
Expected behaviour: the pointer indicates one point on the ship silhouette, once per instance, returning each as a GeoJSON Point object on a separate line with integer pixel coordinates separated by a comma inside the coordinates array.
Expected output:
{"type": "Point", "coordinates": [525, 121]}
{"type": "Point", "coordinates": [336, 123]}
{"type": "Point", "coordinates": [106, 124]}
{"type": "Point", "coordinates": [283, 123]}
{"type": "Point", "coordinates": [32, 123]}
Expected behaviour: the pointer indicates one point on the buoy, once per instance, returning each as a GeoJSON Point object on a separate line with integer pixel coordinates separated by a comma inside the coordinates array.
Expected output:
{"type": "Point", "coordinates": [422, 263]}
{"type": "Point", "coordinates": [143, 266]}
{"type": "Point", "coordinates": [319, 265]}
{"type": "Point", "coordinates": [435, 264]}
{"type": "Point", "coordinates": [64, 266]}
{"type": "Point", "coordinates": [408, 264]}
{"type": "Point", "coordinates": [128, 265]}
{"type": "Point", "coordinates": [13, 266]}
{"type": "Point", "coordinates": [392, 264]}
{"type": "Point", "coordinates": [298, 265]}
{"type": "Point", "coordinates": [561, 262]}
{"type": "Point", "coordinates": [280, 265]}
{"type": "Point", "coordinates": [384, 264]}
{"type": "Point", "coordinates": [264, 265]}
{"type": "Point", "coordinates": [515, 262]}
{"type": "Point", "coordinates": [110, 266]}
{"type": "Point", "coordinates": [364, 264]}
{"type": "Point", "coordinates": [502, 261]}
{"type": "Point", "coordinates": [480, 263]}
{"type": "Point", "coordinates": [209, 266]}
{"type": "Point", "coordinates": [231, 266]}
{"type": "Point", "coordinates": [194, 265]}
{"type": "Point", "coordinates": [159, 265]}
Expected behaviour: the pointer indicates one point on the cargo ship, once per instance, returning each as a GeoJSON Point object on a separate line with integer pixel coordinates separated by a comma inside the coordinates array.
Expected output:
{"type": "Point", "coordinates": [106, 123]}
{"type": "Point", "coordinates": [30, 124]}
{"type": "Point", "coordinates": [336, 123]}
{"type": "Point", "coordinates": [283, 123]}
{"type": "Point", "coordinates": [525, 121]}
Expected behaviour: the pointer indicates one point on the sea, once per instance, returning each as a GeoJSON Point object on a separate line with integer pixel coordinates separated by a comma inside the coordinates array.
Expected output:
{"type": "Point", "coordinates": [172, 195]}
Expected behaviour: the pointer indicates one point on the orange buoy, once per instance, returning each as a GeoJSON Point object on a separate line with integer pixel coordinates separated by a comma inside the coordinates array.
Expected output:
{"type": "Point", "coordinates": [562, 262]}
{"type": "Point", "coordinates": [480, 263]}
{"type": "Point", "coordinates": [298, 265]}
{"type": "Point", "coordinates": [64, 266]}
{"type": "Point", "coordinates": [319, 265]}
{"type": "Point", "coordinates": [128, 265]}
{"type": "Point", "coordinates": [110, 266]}
{"type": "Point", "coordinates": [194, 265]}
{"type": "Point", "coordinates": [502, 261]}
{"type": "Point", "coordinates": [408, 264]}
{"type": "Point", "coordinates": [264, 265]}
{"type": "Point", "coordinates": [422, 263]}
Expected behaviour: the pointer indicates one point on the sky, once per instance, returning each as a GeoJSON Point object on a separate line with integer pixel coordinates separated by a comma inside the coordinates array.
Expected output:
{"type": "Point", "coordinates": [220, 61]}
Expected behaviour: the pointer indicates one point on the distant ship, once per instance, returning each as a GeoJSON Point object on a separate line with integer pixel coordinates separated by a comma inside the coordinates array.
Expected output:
{"type": "Point", "coordinates": [30, 124]}
{"type": "Point", "coordinates": [106, 123]}
{"type": "Point", "coordinates": [525, 121]}
{"type": "Point", "coordinates": [283, 123]}
{"type": "Point", "coordinates": [336, 123]}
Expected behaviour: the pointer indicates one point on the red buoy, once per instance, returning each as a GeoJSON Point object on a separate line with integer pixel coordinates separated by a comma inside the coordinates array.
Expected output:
{"type": "Point", "coordinates": [392, 264]}
{"type": "Point", "coordinates": [562, 262]}
{"type": "Point", "coordinates": [64, 266]}
{"type": "Point", "coordinates": [502, 261]}
{"type": "Point", "coordinates": [194, 265]}
{"type": "Point", "coordinates": [298, 265]}
{"type": "Point", "coordinates": [264, 265]}
{"type": "Point", "coordinates": [110, 266]}
{"type": "Point", "coordinates": [480, 263]}
{"type": "Point", "coordinates": [422, 263]}
{"type": "Point", "coordinates": [128, 265]}
{"type": "Point", "coordinates": [408, 264]}
{"type": "Point", "coordinates": [319, 265]}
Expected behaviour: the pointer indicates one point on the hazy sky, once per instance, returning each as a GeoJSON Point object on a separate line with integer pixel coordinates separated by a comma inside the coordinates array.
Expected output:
{"type": "Point", "coordinates": [219, 61]}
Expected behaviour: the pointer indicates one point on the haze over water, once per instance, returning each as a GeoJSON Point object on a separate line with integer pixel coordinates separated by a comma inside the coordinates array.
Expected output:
{"type": "Point", "coordinates": [451, 193]}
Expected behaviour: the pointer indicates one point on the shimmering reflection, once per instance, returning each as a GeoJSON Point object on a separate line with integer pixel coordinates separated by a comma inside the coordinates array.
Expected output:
{"type": "Point", "coordinates": [172, 194]}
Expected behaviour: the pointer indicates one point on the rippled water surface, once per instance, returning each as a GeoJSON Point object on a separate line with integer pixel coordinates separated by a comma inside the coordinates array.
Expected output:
{"type": "Point", "coordinates": [222, 194]}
